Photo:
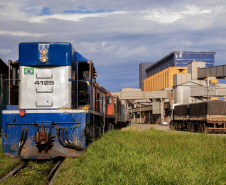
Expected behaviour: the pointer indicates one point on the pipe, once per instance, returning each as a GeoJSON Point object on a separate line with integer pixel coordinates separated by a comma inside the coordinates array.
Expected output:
{"type": "Point", "coordinates": [67, 145]}
{"type": "Point", "coordinates": [67, 137]}
{"type": "Point", "coordinates": [59, 138]}
{"type": "Point", "coordinates": [23, 138]}
{"type": "Point", "coordinates": [62, 133]}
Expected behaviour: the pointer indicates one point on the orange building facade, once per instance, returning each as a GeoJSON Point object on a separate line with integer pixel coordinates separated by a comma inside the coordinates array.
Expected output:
{"type": "Point", "coordinates": [162, 79]}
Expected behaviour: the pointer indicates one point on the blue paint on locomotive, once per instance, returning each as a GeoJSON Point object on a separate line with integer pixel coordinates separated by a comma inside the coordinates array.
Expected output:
{"type": "Point", "coordinates": [59, 54]}
{"type": "Point", "coordinates": [75, 124]}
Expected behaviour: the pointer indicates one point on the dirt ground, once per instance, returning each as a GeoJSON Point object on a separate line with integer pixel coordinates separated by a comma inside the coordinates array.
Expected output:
{"type": "Point", "coordinates": [146, 127]}
{"type": "Point", "coordinates": [156, 126]}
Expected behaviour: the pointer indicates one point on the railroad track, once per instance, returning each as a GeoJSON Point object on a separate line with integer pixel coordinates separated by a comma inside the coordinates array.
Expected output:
{"type": "Point", "coordinates": [15, 171]}
{"type": "Point", "coordinates": [49, 179]}
{"type": "Point", "coordinates": [54, 171]}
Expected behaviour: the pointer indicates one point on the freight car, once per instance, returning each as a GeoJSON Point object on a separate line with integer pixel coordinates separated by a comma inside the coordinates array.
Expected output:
{"type": "Point", "coordinates": [122, 118]}
{"type": "Point", "coordinates": [206, 117]}
{"type": "Point", "coordinates": [60, 106]}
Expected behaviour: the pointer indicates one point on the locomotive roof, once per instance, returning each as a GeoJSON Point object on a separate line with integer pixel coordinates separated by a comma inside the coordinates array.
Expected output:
{"type": "Point", "coordinates": [57, 53]}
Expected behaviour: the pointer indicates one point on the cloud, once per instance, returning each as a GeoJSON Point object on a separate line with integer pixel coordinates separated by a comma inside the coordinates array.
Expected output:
{"type": "Point", "coordinates": [116, 35]}
{"type": "Point", "coordinates": [20, 33]}
{"type": "Point", "coordinates": [72, 17]}
{"type": "Point", "coordinates": [165, 15]}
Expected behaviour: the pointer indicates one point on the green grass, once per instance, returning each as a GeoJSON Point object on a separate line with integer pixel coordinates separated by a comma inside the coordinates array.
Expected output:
{"type": "Point", "coordinates": [6, 163]}
{"type": "Point", "coordinates": [148, 157]}
{"type": "Point", "coordinates": [35, 173]}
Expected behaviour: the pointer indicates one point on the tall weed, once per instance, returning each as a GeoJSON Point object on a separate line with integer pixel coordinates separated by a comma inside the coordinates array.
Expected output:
{"type": "Point", "coordinates": [149, 157]}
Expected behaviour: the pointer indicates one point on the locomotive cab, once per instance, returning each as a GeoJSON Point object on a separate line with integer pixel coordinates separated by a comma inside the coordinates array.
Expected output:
{"type": "Point", "coordinates": [85, 72]}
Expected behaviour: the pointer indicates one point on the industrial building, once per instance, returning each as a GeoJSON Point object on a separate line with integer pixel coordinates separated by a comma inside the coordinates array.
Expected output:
{"type": "Point", "coordinates": [142, 73]}
{"type": "Point", "coordinates": [179, 78]}
{"type": "Point", "coordinates": [162, 79]}
{"type": "Point", "coordinates": [175, 79]}
{"type": "Point", "coordinates": [160, 74]}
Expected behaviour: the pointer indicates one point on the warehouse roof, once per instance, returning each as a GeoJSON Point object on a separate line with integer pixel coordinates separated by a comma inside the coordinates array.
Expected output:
{"type": "Point", "coordinates": [180, 52]}
{"type": "Point", "coordinates": [181, 59]}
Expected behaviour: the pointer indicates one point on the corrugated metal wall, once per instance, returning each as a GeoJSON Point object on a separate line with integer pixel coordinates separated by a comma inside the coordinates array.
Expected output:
{"type": "Point", "coordinates": [216, 71]}
{"type": "Point", "coordinates": [163, 79]}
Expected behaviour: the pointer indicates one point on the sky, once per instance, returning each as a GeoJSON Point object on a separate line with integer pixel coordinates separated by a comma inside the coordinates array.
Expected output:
{"type": "Point", "coordinates": [116, 35]}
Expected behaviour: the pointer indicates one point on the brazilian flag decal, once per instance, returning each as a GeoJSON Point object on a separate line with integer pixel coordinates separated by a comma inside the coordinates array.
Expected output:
{"type": "Point", "coordinates": [29, 71]}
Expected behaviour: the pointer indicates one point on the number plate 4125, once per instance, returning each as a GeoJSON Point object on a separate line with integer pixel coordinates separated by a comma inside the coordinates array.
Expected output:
{"type": "Point", "coordinates": [44, 82]}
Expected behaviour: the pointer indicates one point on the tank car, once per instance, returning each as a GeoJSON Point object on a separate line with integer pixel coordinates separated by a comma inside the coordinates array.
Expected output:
{"type": "Point", "coordinates": [59, 108]}
{"type": "Point", "coordinates": [206, 117]}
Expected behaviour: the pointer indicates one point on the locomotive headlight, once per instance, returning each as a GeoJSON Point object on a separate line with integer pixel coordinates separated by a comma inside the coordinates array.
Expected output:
{"type": "Point", "coordinates": [43, 51]}
{"type": "Point", "coordinates": [43, 58]}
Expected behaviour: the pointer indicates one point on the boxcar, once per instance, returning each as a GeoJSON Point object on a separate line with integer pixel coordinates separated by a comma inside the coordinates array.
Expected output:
{"type": "Point", "coordinates": [208, 116]}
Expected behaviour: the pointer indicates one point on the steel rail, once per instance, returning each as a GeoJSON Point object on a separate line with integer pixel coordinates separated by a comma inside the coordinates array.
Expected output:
{"type": "Point", "coordinates": [53, 172]}
{"type": "Point", "coordinates": [14, 171]}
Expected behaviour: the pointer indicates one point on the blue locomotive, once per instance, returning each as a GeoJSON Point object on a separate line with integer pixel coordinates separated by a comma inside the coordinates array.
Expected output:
{"type": "Point", "coordinates": [55, 105]}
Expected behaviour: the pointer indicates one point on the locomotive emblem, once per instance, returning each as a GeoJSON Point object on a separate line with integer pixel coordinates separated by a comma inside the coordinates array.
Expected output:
{"type": "Point", "coordinates": [29, 71]}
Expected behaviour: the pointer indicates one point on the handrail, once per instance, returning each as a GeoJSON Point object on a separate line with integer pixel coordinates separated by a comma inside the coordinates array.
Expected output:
{"type": "Point", "coordinates": [44, 105]}
{"type": "Point", "coordinates": [38, 91]}
{"type": "Point", "coordinates": [44, 77]}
